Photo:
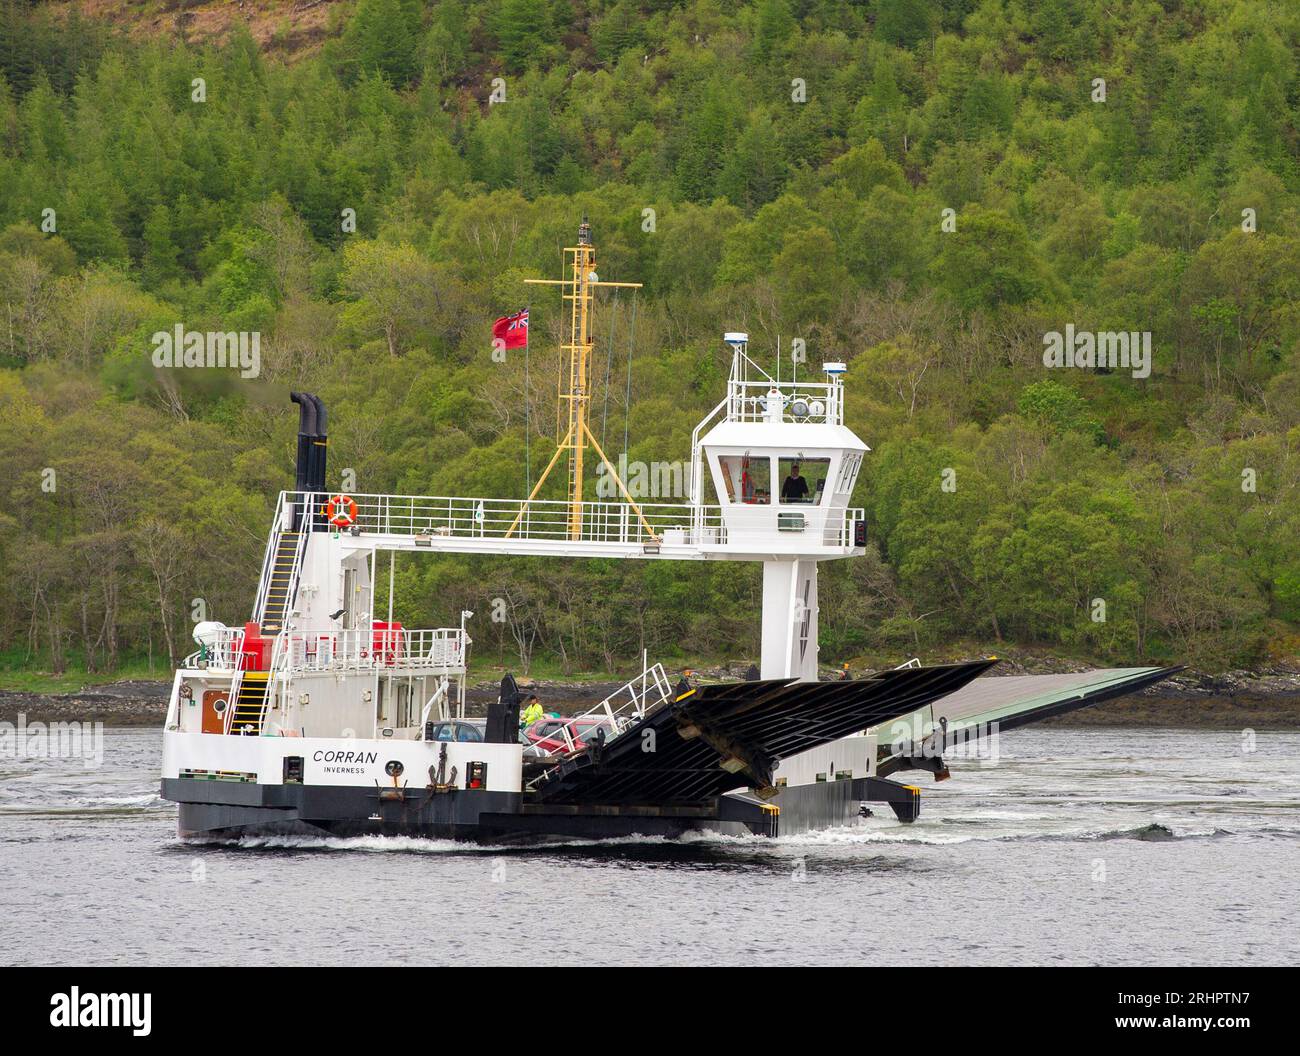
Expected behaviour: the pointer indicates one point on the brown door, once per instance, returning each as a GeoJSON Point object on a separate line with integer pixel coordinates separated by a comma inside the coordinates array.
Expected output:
{"type": "Point", "coordinates": [215, 703]}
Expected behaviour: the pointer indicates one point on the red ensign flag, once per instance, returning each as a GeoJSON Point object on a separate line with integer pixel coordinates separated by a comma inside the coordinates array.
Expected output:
{"type": "Point", "coordinates": [511, 330]}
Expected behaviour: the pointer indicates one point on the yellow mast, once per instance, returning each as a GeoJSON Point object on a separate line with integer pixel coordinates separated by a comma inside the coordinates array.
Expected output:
{"type": "Point", "coordinates": [573, 432]}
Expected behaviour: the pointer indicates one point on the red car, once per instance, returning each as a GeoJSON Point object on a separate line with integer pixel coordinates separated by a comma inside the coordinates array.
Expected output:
{"type": "Point", "coordinates": [565, 735]}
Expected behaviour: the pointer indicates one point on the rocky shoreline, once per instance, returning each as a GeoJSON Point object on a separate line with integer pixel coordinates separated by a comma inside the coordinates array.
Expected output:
{"type": "Point", "coordinates": [1263, 699]}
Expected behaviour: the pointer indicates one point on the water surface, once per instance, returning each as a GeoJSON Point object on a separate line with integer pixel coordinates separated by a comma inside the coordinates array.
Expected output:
{"type": "Point", "coordinates": [1081, 846]}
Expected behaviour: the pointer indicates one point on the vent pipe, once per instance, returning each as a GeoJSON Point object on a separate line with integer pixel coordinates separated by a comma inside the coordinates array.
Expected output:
{"type": "Point", "coordinates": [309, 471]}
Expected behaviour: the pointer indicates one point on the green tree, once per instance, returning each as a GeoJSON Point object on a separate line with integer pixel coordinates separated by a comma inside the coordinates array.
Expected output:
{"type": "Point", "coordinates": [382, 36]}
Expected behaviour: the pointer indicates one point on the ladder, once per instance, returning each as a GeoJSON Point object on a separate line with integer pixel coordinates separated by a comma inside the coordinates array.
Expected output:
{"type": "Point", "coordinates": [250, 703]}
{"type": "Point", "coordinates": [274, 605]}
{"type": "Point", "coordinates": [250, 690]}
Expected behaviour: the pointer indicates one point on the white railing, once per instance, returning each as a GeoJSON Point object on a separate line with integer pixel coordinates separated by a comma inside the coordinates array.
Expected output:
{"type": "Point", "coordinates": [548, 519]}
{"type": "Point", "coordinates": [434, 649]}
{"type": "Point", "coordinates": [840, 532]}
{"type": "Point", "coordinates": [424, 518]}
{"type": "Point", "coordinates": [633, 699]}
{"type": "Point", "coordinates": [696, 490]}
{"type": "Point", "coordinates": [295, 570]}
{"type": "Point", "coordinates": [273, 665]}
{"type": "Point", "coordinates": [628, 704]}
{"type": "Point", "coordinates": [279, 525]}
{"type": "Point", "coordinates": [768, 401]}
{"type": "Point", "coordinates": [444, 649]}
{"type": "Point", "coordinates": [268, 559]}
{"type": "Point", "coordinates": [222, 654]}
{"type": "Point", "coordinates": [753, 395]}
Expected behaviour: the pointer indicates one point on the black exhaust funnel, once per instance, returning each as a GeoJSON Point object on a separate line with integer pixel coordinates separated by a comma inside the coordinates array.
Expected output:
{"type": "Point", "coordinates": [309, 472]}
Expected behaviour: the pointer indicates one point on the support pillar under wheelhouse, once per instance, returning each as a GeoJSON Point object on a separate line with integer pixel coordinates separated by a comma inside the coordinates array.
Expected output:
{"type": "Point", "coordinates": [790, 619]}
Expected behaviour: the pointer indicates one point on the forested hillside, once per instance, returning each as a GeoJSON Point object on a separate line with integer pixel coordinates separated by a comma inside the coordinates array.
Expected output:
{"type": "Point", "coordinates": [924, 188]}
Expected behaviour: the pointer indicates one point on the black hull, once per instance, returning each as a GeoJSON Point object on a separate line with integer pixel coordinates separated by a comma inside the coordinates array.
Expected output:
{"type": "Point", "coordinates": [224, 811]}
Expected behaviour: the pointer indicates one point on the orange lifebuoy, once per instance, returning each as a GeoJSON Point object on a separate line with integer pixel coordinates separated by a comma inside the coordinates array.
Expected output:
{"type": "Point", "coordinates": [342, 511]}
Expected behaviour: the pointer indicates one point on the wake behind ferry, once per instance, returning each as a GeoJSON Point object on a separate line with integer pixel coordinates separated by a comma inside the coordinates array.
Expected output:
{"type": "Point", "coordinates": [323, 715]}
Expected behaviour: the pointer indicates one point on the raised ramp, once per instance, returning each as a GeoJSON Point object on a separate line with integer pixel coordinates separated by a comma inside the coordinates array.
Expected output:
{"type": "Point", "coordinates": [1001, 704]}
{"type": "Point", "coordinates": [730, 736]}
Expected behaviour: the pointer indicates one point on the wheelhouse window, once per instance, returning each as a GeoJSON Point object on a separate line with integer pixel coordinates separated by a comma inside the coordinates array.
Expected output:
{"type": "Point", "coordinates": [803, 480]}
{"type": "Point", "coordinates": [848, 472]}
{"type": "Point", "coordinates": [748, 479]}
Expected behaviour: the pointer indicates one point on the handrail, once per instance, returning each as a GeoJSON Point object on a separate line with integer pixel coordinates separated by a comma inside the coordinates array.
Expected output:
{"type": "Point", "coordinates": [268, 559]}
{"type": "Point", "coordinates": [651, 680]}
{"type": "Point", "coordinates": [422, 517]}
{"type": "Point", "coordinates": [434, 648]}
{"type": "Point", "coordinates": [443, 649]}
{"type": "Point", "coordinates": [637, 700]}
{"type": "Point", "coordinates": [440, 692]}
{"type": "Point", "coordinates": [759, 408]}
{"type": "Point", "coordinates": [462, 516]}
{"type": "Point", "coordinates": [822, 400]}
{"type": "Point", "coordinates": [222, 654]}
{"type": "Point", "coordinates": [263, 592]}
{"type": "Point", "coordinates": [263, 588]}
{"type": "Point", "coordinates": [695, 491]}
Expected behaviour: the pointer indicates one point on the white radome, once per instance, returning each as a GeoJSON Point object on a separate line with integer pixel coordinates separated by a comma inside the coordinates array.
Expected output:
{"type": "Point", "coordinates": [207, 632]}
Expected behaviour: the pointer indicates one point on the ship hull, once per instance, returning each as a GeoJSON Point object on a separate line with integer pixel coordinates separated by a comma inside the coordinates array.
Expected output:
{"type": "Point", "coordinates": [218, 811]}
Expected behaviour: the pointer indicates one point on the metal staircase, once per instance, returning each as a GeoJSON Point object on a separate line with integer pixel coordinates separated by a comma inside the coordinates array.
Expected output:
{"type": "Point", "coordinates": [250, 690]}
{"type": "Point", "coordinates": [250, 703]}
{"type": "Point", "coordinates": [274, 604]}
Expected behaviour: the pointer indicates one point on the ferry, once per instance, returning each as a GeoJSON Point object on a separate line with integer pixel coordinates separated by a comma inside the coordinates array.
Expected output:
{"type": "Point", "coordinates": [323, 714]}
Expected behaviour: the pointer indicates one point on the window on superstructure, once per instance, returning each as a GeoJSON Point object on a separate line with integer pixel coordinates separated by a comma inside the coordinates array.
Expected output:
{"type": "Point", "coordinates": [748, 478]}
{"type": "Point", "coordinates": [803, 480]}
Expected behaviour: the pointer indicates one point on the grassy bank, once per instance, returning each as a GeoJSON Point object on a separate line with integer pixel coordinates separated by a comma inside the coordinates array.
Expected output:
{"type": "Point", "coordinates": [33, 680]}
